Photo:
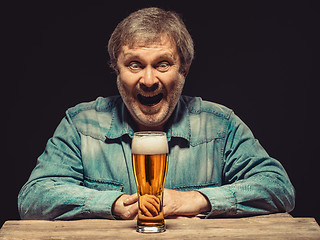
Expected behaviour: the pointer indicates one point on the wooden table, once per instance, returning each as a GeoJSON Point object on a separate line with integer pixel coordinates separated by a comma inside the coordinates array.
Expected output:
{"type": "Point", "coordinates": [274, 226]}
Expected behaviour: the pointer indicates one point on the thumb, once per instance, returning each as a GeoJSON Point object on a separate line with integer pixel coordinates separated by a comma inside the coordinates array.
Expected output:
{"type": "Point", "coordinates": [131, 199]}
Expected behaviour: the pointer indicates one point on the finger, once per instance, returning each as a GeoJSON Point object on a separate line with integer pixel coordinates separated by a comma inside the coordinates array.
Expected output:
{"type": "Point", "coordinates": [145, 211]}
{"type": "Point", "coordinates": [152, 203]}
{"type": "Point", "coordinates": [155, 203]}
{"type": "Point", "coordinates": [130, 199]}
{"type": "Point", "coordinates": [133, 211]}
{"type": "Point", "coordinates": [152, 209]}
{"type": "Point", "coordinates": [126, 214]}
{"type": "Point", "coordinates": [156, 199]}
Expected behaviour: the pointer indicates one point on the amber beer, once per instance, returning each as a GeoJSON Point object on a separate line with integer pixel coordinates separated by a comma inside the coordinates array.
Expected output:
{"type": "Point", "coordinates": [150, 161]}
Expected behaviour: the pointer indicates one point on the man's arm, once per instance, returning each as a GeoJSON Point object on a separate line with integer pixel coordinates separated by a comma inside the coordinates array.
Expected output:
{"type": "Point", "coordinates": [253, 182]}
{"type": "Point", "coordinates": [55, 189]}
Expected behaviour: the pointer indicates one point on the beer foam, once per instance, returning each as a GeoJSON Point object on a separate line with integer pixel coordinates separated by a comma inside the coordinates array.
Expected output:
{"type": "Point", "coordinates": [150, 145]}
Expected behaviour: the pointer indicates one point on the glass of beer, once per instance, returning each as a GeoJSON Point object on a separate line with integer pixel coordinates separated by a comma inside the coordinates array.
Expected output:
{"type": "Point", "coordinates": [150, 161]}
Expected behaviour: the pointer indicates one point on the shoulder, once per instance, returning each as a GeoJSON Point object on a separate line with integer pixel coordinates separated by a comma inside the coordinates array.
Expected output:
{"type": "Point", "coordinates": [208, 120]}
{"type": "Point", "coordinates": [197, 105]}
{"type": "Point", "coordinates": [99, 105]}
{"type": "Point", "coordinates": [214, 118]}
{"type": "Point", "coordinates": [93, 118]}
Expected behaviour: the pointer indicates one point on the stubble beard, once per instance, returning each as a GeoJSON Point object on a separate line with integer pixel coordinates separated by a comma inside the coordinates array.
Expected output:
{"type": "Point", "coordinates": [148, 118]}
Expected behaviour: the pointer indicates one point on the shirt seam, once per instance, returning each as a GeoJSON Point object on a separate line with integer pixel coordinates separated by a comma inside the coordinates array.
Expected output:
{"type": "Point", "coordinates": [197, 186]}
{"type": "Point", "coordinates": [112, 182]}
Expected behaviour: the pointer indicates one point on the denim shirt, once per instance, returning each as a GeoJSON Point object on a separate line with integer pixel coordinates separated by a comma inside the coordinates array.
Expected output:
{"type": "Point", "coordinates": [87, 163]}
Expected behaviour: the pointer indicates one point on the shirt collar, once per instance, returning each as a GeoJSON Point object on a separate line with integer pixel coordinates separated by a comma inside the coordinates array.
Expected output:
{"type": "Point", "coordinates": [120, 123]}
{"type": "Point", "coordinates": [178, 124]}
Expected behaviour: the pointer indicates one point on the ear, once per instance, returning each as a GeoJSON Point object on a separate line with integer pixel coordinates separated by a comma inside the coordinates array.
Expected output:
{"type": "Point", "coordinates": [187, 71]}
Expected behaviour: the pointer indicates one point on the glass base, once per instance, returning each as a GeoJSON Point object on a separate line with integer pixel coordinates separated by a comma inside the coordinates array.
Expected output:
{"type": "Point", "coordinates": [151, 229]}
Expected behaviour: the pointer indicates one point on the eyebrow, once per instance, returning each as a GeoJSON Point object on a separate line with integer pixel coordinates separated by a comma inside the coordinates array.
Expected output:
{"type": "Point", "coordinates": [161, 56]}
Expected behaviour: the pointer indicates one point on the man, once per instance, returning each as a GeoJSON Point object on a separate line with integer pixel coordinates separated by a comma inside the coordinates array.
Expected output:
{"type": "Point", "coordinates": [216, 166]}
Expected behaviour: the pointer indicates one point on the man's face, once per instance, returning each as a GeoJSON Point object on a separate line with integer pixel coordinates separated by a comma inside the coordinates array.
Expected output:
{"type": "Point", "coordinates": [149, 82]}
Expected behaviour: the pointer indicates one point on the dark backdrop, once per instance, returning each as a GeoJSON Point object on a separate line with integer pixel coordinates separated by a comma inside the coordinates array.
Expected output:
{"type": "Point", "coordinates": [255, 57]}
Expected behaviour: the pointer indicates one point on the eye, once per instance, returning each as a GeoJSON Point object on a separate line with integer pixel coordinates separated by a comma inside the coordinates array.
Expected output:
{"type": "Point", "coordinates": [163, 66]}
{"type": "Point", "coordinates": [134, 66]}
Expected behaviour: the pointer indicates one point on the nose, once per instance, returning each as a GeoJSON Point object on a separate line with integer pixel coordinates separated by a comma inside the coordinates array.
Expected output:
{"type": "Point", "coordinates": [149, 80]}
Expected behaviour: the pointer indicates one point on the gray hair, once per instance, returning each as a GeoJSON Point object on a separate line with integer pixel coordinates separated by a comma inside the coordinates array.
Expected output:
{"type": "Point", "coordinates": [146, 25]}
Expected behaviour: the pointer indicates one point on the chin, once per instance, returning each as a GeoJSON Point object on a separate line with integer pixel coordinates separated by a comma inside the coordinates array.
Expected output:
{"type": "Point", "coordinates": [150, 121]}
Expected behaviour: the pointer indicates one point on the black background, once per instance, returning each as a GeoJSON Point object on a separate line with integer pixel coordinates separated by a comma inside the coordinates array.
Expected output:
{"type": "Point", "coordinates": [255, 57]}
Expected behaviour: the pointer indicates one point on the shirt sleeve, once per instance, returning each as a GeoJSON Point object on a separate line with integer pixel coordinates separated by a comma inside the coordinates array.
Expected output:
{"type": "Point", "coordinates": [253, 182]}
{"type": "Point", "coordinates": [55, 189]}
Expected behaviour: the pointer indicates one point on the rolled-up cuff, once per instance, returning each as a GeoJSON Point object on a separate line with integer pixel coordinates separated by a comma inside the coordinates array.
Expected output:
{"type": "Point", "coordinates": [101, 204]}
{"type": "Point", "coordinates": [223, 201]}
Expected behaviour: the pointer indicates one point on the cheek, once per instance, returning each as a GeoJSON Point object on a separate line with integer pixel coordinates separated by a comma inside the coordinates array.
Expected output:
{"type": "Point", "coordinates": [126, 81]}
{"type": "Point", "coordinates": [175, 82]}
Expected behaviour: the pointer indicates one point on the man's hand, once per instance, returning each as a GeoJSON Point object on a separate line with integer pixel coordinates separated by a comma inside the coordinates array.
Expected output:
{"type": "Point", "coordinates": [189, 203]}
{"type": "Point", "coordinates": [126, 206]}
{"type": "Point", "coordinates": [175, 204]}
{"type": "Point", "coordinates": [149, 205]}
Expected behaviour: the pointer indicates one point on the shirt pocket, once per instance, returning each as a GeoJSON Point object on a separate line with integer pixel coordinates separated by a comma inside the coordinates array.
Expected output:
{"type": "Point", "coordinates": [103, 185]}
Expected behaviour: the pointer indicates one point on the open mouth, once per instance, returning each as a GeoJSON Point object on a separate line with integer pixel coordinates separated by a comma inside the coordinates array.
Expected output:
{"type": "Point", "coordinates": [150, 101]}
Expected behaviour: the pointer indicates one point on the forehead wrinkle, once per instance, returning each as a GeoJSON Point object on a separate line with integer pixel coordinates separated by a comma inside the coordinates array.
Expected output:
{"type": "Point", "coordinates": [128, 52]}
{"type": "Point", "coordinates": [148, 39]}
{"type": "Point", "coordinates": [165, 49]}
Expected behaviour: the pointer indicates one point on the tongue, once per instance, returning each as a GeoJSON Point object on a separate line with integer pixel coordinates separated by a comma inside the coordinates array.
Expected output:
{"type": "Point", "coordinates": [149, 101]}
